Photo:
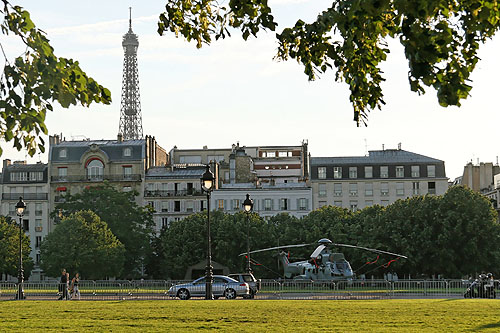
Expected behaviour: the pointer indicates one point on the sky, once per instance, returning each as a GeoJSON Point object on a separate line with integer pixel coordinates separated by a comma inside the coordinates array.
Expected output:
{"type": "Point", "coordinates": [233, 91]}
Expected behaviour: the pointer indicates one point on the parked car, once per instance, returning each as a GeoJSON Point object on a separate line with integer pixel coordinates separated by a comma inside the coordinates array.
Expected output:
{"type": "Point", "coordinates": [222, 286]}
{"type": "Point", "coordinates": [250, 279]}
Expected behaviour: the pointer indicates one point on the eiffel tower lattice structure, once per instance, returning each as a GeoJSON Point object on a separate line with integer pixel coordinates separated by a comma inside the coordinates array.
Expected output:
{"type": "Point", "coordinates": [130, 108]}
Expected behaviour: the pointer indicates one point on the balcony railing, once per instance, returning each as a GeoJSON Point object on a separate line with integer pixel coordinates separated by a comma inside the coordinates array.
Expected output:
{"type": "Point", "coordinates": [83, 178]}
{"type": "Point", "coordinates": [25, 196]}
{"type": "Point", "coordinates": [172, 193]}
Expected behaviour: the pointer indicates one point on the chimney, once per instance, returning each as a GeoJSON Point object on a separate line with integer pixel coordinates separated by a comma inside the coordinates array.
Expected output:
{"type": "Point", "coordinates": [120, 138]}
{"type": "Point", "coordinates": [6, 163]}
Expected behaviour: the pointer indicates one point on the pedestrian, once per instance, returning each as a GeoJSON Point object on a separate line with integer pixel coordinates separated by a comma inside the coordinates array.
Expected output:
{"type": "Point", "coordinates": [68, 294]}
{"type": "Point", "coordinates": [62, 285]}
{"type": "Point", "coordinates": [75, 294]}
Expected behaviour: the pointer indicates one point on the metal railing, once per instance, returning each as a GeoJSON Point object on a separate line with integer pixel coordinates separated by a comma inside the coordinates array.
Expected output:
{"type": "Point", "coordinates": [269, 289]}
{"type": "Point", "coordinates": [172, 193]}
{"type": "Point", "coordinates": [84, 178]}
{"type": "Point", "coordinates": [25, 196]}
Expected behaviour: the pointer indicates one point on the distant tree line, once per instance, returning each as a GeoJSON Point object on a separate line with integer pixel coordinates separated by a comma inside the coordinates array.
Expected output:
{"type": "Point", "coordinates": [103, 233]}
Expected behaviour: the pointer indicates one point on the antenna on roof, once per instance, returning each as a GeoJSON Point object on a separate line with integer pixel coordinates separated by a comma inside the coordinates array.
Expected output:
{"type": "Point", "coordinates": [399, 146]}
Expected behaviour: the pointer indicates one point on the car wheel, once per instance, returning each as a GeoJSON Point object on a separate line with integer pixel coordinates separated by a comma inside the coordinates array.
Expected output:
{"type": "Point", "coordinates": [183, 294]}
{"type": "Point", "coordinates": [230, 294]}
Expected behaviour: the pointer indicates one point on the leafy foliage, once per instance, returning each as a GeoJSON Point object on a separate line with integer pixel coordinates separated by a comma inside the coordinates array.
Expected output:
{"type": "Point", "coordinates": [9, 249]}
{"type": "Point", "coordinates": [36, 78]}
{"type": "Point", "coordinates": [132, 224]}
{"type": "Point", "coordinates": [82, 243]}
{"type": "Point", "coordinates": [440, 38]}
{"type": "Point", "coordinates": [451, 235]}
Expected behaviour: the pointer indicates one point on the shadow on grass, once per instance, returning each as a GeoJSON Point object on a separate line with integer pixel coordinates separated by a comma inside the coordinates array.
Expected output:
{"type": "Point", "coordinates": [486, 326]}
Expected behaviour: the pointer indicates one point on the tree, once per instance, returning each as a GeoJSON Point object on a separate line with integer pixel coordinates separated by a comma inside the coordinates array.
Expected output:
{"type": "Point", "coordinates": [132, 224]}
{"type": "Point", "coordinates": [440, 38]}
{"type": "Point", "coordinates": [34, 79]}
{"type": "Point", "coordinates": [9, 249]}
{"type": "Point", "coordinates": [82, 243]}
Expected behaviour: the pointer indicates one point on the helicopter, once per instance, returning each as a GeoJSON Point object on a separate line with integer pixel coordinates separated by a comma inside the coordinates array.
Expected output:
{"type": "Point", "coordinates": [323, 263]}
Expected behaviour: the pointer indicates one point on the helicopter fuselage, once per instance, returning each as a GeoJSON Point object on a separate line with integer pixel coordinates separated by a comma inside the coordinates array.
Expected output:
{"type": "Point", "coordinates": [328, 266]}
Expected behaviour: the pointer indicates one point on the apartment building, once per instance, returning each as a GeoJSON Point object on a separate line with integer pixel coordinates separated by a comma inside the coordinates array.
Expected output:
{"type": "Point", "coordinates": [382, 177]}
{"type": "Point", "coordinates": [28, 181]}
{"type": "Point", "coordinates": [175, 192]}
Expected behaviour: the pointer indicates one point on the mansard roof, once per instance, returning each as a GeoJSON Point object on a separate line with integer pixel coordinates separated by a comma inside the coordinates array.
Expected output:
{"type": "Point", "coordinates": [388, 156]}
{"type": "Point", "coordinates": [113, 149]}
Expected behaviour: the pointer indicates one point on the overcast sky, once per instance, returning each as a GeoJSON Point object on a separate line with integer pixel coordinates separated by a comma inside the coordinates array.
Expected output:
{"type": "Point", "coordinates": [234, 91]}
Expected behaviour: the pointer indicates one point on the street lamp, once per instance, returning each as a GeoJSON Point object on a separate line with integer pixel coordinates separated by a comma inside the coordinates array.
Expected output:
{"type": "Point", "coordinates": [207, 184]}
{"type": "Point", "coordinates": [247, 206]}
{"type": "Point", "coordinates": [20, 207]}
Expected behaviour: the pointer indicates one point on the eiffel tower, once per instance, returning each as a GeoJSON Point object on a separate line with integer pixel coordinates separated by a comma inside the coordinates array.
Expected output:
{"type": "Point", "coordinates": [130, 108]}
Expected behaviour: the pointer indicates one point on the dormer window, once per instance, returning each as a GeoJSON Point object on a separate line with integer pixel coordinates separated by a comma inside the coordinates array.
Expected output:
{"type": "Point", "coordinates": [63, 153]}
{"type": "Point", "coordinates": [127, 151]}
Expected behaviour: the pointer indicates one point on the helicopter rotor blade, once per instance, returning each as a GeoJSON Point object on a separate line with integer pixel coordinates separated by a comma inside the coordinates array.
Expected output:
{"type": "Point", "coordinates": [276, 248]}
{"type": "Point", "coordinates": [371, 250]}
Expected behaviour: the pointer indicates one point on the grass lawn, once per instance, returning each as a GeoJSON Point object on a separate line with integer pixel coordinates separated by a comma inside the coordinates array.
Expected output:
{"type": "Point", "coordinates": [253, 315]}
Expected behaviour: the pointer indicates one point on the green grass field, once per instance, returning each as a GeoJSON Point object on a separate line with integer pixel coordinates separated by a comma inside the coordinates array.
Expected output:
{"type": "Point", "coordinates": [252, 316]}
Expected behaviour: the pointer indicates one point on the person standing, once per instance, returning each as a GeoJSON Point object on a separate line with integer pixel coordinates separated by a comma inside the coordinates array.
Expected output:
{"type": "Point", "coordinates": [67, 287]}
{"type": "Point", "coordinates": [74, 286]}
{"type": "Point", "coordinates": [62, 285]}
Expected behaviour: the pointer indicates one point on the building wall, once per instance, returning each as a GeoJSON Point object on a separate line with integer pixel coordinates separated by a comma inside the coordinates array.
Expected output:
{"type": "Point", "coordinates": [35, 195]}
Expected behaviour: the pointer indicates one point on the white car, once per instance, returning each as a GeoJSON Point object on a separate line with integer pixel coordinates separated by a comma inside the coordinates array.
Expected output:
{"type": "Point", "coordinates": [222, 286]}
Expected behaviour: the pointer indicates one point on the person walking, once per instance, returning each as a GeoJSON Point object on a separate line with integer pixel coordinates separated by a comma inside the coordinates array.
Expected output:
{"type": "Point", "coordinates": [62, 285]}
{"type": "Point", "coordinates": [75, 294]}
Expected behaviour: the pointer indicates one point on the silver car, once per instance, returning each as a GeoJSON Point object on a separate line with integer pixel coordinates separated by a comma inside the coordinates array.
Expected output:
{"type": "Point", "coordinates": [221, 286]}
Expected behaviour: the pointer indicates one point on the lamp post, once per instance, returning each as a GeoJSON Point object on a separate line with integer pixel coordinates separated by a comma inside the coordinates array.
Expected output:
{"type": "Point", "coordinates": [20, 207]}
{"type": "Point", "coordinates": [247, 206]}
{"type": "Point", "coordinates": [207, 184]}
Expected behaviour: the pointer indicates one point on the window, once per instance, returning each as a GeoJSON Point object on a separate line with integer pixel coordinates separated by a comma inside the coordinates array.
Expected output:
{"type": "Point", "coordinates": [38, 209]}
{"type": "Point", "coordinates": [353, 172]}
{"type": "Point", "coordinates": [353, 189]}
{"type": "Point", "coordinates": [195, 159]}
{"type": "Point", "coordinates": [95, 170]}
{"type": "Point", "coordinates": [34, 176]}
{"type": "Point", "coordinates": [337, 204]}
{"type": "Point", "coordinates": [189, 206]}
{"type": "Point", "coordinates": [63, 153]}
{"type": "Point", "coordinates": [321, 172]}
{"type": "Point", "coordinates": [431, 187]}
{"type": "Point", "coordinates": [282, 154]}
{"type": "Point", "coordinates": [384, 172]}
{"type": "Point", "coordinates": [236, 204]}
{"type": "Point", "coordinates": [152, 205]}
{"type": "Point", "coordinates": [322, 204]}
{"type": "Point", "coordinates": [400, 171]}
{"type": "Point", "coordinates": [384, 189]}
{"type": "Point", "coordinates": [337, 172]}
{"type": "Point", "coordinates": [303, 204]}
{"type": "Point", "coordinates": [38, 258]}
{"type": "Point", "coordinates": [18, 176]}
{"type": "Point", "coordinates": [164, 222]}
{"type": "Point", "coordinates": [284, 204]}
{"type": "Point", "coordinates": [368, 189]}
{"type": "Point", "coordinates": [127, 188]}
{"type": "Point", "coordinates": [416, 188]}
{"type": "Point", "coordinates": [38, 225]}
{"type": "Point", "coordinates": [268, 204]}
{"type": "Point", "coordinates": [202, 205]}
{"type": "Point", "coordinates": [177, 206]}
{"type": "Point", "coordinates": [353, 205]}
{"type": "Point", "coordinates": [268, 154]}
{"type": "Point", "coordinates": [415, 171]}
{"type": "Point", "coordinates": [12, 209]}
{"type": "Point", "coordinates": [220, 204]}
{"type": "Point", "coordinates": [38, 241]}
{"type": "Point", "coordinates": [164, 206]}
{"type": "Point", "coordinates": [368, 172]}
{"type": "Point", "coordinates": [400, 188]}
{"type": "Point", "coordinates": [337, 189]}
{"type": "Point", "coordinates": [62, 173]}
{"type": "Point", "coordinates": [322, 190]}
{"type": "Point", "coordinates": [384, 203]}
{"type": "Point", "coordinates": [26, 225]}
{"type": "Point", "coordinates": [127, 152]}
{"type": "Point", "coordinates": [431, 171]}
{"type": "Point", "coordinates": [215, 158]}
{"type": "Point", "coordinates": [127, 172]}
{"type": "Point", "coordinates": [368, 203]}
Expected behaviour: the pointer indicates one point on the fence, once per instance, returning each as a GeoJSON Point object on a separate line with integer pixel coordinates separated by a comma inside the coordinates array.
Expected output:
{"type": "Point", "coordinates": [269, 289]}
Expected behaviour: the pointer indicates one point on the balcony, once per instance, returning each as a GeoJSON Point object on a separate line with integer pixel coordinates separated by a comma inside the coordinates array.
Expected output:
{"type": "Point", "coordinates": [83, 178]}
{"type": "Point", "coordinates": [172, 193]}
{"type": "Point", "coordinates": [25, 196]}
